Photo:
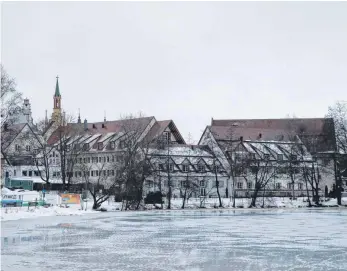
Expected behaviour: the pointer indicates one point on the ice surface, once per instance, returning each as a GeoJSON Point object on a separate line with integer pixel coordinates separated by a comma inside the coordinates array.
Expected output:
{"type": "Point", "coordinates": [295, 239]}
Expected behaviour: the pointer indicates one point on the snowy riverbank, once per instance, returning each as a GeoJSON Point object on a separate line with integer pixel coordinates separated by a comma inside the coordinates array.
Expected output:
{"type": "Point", "coordinates": [15, 213]}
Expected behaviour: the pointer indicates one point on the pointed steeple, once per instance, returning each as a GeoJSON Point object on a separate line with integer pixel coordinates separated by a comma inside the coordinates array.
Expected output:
{"type": "Point", "coordinates": [79, 116]}
{"type": "Point", "coordinates": [57, 92]}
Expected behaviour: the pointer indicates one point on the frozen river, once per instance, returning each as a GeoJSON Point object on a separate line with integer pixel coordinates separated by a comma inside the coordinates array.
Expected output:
{"type": "Point", "coordinates": [179, 240]}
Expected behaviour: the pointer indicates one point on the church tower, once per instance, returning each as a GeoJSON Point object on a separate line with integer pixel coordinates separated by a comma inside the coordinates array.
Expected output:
{"type": "Point", "coordinates": [56, 114]}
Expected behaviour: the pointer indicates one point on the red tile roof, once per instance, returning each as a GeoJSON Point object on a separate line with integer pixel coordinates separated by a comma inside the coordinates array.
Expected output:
{"type": "Point", "coordinates": [272, 129]}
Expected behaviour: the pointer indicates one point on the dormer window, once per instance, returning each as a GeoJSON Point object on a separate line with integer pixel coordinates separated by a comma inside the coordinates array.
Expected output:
{"type": "Point", "coordinates": [266, 156]}
{"type": "Point", "coordinates": [86, 146]}
{"type": "Point", "coordinates": [251, 156]}
{"type": "Point", "coordinates": [100, 146]}
{"type": "Point", "coordinates": [36, 151]}
{"type": "Point", "coordinates": [216, 168]}
{"type": "Point", "coordinates": [171, 167]}
{"type": "Point", "coordinates": [166, 136]}
{"type": "Point", "coordinates": [27, 148]}
{"type": "Point", "coordinates": [112, 145]}
{"type": "Point", "coordinates": [279, 157]}
{"type": "Point", "coordinates": [121, 144]}
{"type": "Point", "coordinates": [293, 157]}
{"type": "Point", "coordinates": [201, 168]}
{"type": "Point", "coordinates": [77, 147]}
{"type": "Point", "coordinates": [185, 168]}
{"type": "Point", "coordinates": [17, 147]}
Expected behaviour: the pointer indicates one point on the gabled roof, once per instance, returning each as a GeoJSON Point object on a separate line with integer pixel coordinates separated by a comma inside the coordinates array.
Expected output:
{"type": "Point", "coordinates": [320, 129]}
{"type": "Point", "coordinates": [11, 132]}
{"type": "Point", "coordinates": [103, 129]}
{"type": "Point", "coordinates": [307, 125]}
{"type": "Point", "coordinates": [160, 126]}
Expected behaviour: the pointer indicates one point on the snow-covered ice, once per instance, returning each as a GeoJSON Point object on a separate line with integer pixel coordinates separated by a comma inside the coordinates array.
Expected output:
{"type": "Point", "coordinates": [281, 239]}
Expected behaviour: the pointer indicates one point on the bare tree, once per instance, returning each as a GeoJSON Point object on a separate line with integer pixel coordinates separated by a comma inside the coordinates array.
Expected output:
{"type": "Point", "coordinates": [339, 113]}
{"type": "Point", "coordinates": [136, 165]}
{"type": "Point", "coordinates": [262, 170]}
{"type": "Point", "coordinates": [96, 178]}
{"type": "Point", "coordinates": [213, 145]}
{"type": "Point", "coordinates": [10, 98]}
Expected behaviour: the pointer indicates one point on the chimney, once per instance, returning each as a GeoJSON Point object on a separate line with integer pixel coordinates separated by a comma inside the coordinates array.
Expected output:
{"type": "Point", "coordinates": [241, 138]}
{"type": "Point", "coordinates": [85, 125]}
{"type": "Point", "coordinates": [94, 126]}
{"type": "Point", "coordinates": [103, 125]}
{"type": "Point", "coordinates": [259, 136]}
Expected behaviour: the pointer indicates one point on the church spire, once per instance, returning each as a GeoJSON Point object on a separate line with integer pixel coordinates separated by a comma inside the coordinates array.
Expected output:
{"type": "Point", "coordinates": [79, 116]}
{"type": "Point", "coordinates": [57, 92]}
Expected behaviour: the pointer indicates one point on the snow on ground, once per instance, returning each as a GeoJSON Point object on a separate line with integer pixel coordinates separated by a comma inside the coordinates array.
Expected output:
{"type": "Point", "coordinates": [14, 213]}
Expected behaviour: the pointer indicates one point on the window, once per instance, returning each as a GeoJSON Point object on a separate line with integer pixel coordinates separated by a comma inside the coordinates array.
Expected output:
{"type": "Point", "coordinates": [36, 173]}
{"type": "Point", "coordinates": [17, 147]}
{"type": "Point", "coordinates": [171, 167]}
{"type": "Point", "coordinates": [85, 160]}
{"type": "Point", "coordinates": [249, 185]}
{"type": "Point", "coordinates": [300, 186]}
{"type": "Point", "coordinates": [112, 145]}
{"type": "Point", "coordinates": [239, 185]}
{"type": "Point", "coordinates": [14, 172]}
{"type": "Point", "coordinates": [121, 144]}
{"type": "Point", "coordinates": [277, 185]}
{"type": "Point", "coordinates": [24, 173]}
{"type": "Point", "coordinates": [104, 159]}
{"type": "Point", "coordinates": [201, 168]}
{"type": "Point", "coordinates": [202, 191]}
{"type": "Point", "coordinates": [7, 174]}
{"type": "Point", "coordinates": [112, 172]}
{"type": "Point", "coordinates": [112, 158]}
{"type": "Point", "coordinates": [30, 173]}
{"type": "Point", "coordinates": [99, 159]}
{"type": "Point", "coordinates": [202, 183]}
{"type": "Point", "coordinates": [96, 173]}
{"type": "Point", "coordinates": [166, 137]}
{"type": "Point", "coordinates": [104, 171]}
{"type": "Point", "coordinates": [79, 174]}
{"type": "Point", "coordinates": [108, 158]}
{"type": "Point", "coordinates": [54, 174]}
{"type": "Point", "coordinates": [88, 160]}
{"type": "Point", "coordinates": [290, 186]}
{"type": "Point", "coordinates": [216, 168]}
{"type": "Point", "coordinates": [251, 156]}
{"type": "Point", "coordinates": [100, 146]}
{"type": "Point", "coordinates": [77, 147]}
{"type": "Point", "coordinates": [185, 168]}
{"type": "Point", "coordinates": [279, 157]}
{"type": "Point", "coordinates": [266, 156]}
{"type": "Point", "coordinates": [183, 183]}
{"type": "Point", "coordinates": [76, 174]}
{"type": "Point", "coordinates": [81, 160]}
{"type": "Point", "coordinates": [85, 146]}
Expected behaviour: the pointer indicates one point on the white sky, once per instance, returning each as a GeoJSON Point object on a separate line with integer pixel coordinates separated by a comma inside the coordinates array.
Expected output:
{"type": "Point", "coordinates": [186, 61]}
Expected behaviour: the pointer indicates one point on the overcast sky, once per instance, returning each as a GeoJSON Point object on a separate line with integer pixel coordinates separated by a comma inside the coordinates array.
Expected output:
{"type": "Point", "coordinates": [186, 61]}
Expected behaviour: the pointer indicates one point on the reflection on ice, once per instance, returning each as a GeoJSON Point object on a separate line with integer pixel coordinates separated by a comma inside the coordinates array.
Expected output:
{"type": "Point", "coordinates": [180, 240]}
